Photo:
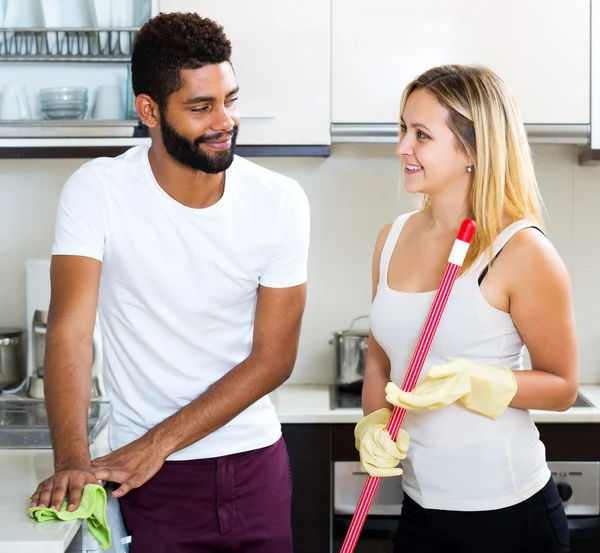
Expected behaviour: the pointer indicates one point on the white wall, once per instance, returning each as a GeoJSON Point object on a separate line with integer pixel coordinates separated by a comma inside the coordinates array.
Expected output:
{"type": "Point", "coordinates": [29, 191]}
{"type": "Point", "coordinates": [353, 194]}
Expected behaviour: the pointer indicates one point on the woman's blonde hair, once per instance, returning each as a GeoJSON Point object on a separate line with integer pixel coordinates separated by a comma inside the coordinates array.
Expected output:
{"type": "Point", "coordinates": [484, 118]}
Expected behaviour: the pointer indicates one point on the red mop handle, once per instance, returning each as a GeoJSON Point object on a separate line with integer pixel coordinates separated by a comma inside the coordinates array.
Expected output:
{"type": "Point", "coordinates": [455, 260]}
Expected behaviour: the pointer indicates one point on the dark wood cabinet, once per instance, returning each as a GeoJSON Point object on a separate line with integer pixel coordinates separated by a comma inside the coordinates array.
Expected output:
{"type": "Point", "coordinates": [571, 441]}
{"type": "Point", "coordinates": [314, 447]}
{"type": "Point", "coordinates": [342, 443]}
{"type": "Point", "coordinates": [309, 448]}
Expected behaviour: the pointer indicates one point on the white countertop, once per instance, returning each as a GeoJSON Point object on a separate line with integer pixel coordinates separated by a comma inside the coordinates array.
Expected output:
{"type": "Point", "coordinates": [301, 403]}
{"type": "Point", "coordinates": [21, 470]}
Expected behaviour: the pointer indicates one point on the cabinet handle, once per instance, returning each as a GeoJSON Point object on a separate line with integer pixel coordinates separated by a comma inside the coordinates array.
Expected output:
{"type": "Point", "coordinates": [259, 116]}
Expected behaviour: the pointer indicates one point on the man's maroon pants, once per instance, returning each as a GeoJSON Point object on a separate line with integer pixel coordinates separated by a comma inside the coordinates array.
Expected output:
{"type": "Point", "coordinates": [233, 504]}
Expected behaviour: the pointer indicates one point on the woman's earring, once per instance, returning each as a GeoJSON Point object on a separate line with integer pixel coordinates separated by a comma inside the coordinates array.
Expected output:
{"type": "Point", "coordinates": [469, 168]}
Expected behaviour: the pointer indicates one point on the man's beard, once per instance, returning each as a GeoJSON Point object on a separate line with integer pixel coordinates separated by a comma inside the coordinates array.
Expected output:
{"type": "Point", "coordinates": [190, 153]}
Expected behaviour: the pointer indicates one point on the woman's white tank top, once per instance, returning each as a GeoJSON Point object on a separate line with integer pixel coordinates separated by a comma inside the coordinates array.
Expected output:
{"type": "Point", "coordinates": [459, 460]}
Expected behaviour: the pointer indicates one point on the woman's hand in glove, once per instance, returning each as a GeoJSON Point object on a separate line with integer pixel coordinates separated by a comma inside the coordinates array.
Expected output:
{"type": "Point", "coordinates": [484, 389]}
{"type": "Point", "coordinates": [379, 454]}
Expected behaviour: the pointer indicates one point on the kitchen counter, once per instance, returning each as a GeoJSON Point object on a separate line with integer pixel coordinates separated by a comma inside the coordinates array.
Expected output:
{"type": "Point", "coordinates": [301, 403]}
{"type": "Point", "coordinates": [21, 470]}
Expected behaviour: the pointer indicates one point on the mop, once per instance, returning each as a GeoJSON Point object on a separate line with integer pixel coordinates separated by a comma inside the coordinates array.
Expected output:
{"type": "Point", "coordinates": [455, 261]}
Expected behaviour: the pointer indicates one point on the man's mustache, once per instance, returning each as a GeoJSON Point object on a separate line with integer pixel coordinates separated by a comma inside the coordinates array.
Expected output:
{"type": "Point", "coordinates": [215, 137]}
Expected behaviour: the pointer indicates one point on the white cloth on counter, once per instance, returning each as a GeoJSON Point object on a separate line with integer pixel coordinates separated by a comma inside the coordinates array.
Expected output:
{"type": "Point", "coordinates": [179, 286]}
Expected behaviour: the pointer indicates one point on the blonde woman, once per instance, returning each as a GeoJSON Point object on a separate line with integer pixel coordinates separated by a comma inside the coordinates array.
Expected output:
{"type": "Point", "coordinates": [475, 474]}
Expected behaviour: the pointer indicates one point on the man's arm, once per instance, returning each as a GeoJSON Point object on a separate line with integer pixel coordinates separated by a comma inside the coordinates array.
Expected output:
{"type": "Point", "coordinates": [275, 344]}
{"type": "Point", "coordinates": [67, 376]}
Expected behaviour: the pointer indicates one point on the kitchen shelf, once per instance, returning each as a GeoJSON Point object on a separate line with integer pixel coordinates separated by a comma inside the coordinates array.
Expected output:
{"type": "Point", "coordinates": [100, 45]}
{"type": "Point", "coordinates": [72, 128]}
{"type": "Point", "coordinates": [66, 148]}
{"type": "Point", "coordinates": [87, 148]}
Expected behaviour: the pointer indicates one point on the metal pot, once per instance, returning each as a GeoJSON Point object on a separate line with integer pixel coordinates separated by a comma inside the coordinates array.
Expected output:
{"type": "Point", "coordinates": [12, 357]}
{"type": "Point", "coordinates": [351, 348]}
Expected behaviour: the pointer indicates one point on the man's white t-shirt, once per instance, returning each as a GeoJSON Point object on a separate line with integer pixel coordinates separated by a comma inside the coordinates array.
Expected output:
{"type": "Point", "coordinates": [179, 286]}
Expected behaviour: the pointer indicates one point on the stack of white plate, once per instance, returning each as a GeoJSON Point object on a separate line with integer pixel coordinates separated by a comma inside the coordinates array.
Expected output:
{"type": "Point", "coordinates": [64, 103]}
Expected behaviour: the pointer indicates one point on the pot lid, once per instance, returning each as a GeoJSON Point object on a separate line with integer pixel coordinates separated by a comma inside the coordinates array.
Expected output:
{"type": "Point", "coordinates": [357, 333]}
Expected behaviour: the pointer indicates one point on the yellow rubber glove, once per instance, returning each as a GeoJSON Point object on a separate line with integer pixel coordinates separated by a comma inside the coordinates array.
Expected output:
{"type": "Point", "coordinates": [481, 388]}
{"type": "Point", "coordinates": [379, 454]}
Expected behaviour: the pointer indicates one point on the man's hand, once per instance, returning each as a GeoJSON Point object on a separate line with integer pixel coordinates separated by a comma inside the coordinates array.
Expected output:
{"type": "Point", "coordinates": [131, 466]}
{"type": "Point", "coordinates": [65, 483]}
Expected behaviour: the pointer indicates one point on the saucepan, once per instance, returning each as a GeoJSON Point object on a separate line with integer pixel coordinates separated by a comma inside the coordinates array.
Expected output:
{"type": "Point", "coordinates": [351, 348]}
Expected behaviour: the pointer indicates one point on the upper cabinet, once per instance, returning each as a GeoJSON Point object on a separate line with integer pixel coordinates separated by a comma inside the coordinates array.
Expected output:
{"type": "Point", "coordinates": [540, 48]}
{"type": "Point", "coordinates": [281, 56]}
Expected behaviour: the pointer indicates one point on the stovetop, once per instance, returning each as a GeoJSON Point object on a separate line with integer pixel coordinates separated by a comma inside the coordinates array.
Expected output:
{"type": "Point", "coordinates": [346, 397]}
{"type": "Point", "coordinates": [350, 398]}
{"type": "Point", "coordinates": [582, 402]}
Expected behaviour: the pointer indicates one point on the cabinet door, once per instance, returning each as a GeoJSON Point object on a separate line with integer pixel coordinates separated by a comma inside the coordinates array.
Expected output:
{"type": "Point", "coordinates": [281, 55]}
{"type": "Point", "coordinates": [541, 48]}
{"type": "Point", "coordinates": [310, 462]}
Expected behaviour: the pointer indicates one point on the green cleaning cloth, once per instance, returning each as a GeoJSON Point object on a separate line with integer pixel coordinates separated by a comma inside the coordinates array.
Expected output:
{"type": "Point", "coordinates": [92, 508]}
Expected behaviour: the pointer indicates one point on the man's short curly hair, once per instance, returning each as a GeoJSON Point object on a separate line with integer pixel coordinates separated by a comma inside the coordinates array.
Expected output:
{"type": "Point", "coordinates": [169, 43]}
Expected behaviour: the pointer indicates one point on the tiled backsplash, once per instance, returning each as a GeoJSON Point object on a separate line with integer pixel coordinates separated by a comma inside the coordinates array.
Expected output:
{"type": "Point", "coordinates": [353, 194]}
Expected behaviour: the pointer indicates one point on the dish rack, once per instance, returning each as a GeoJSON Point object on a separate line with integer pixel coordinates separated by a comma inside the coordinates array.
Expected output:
{"type": "Point", "coordinates": [104, 45]}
